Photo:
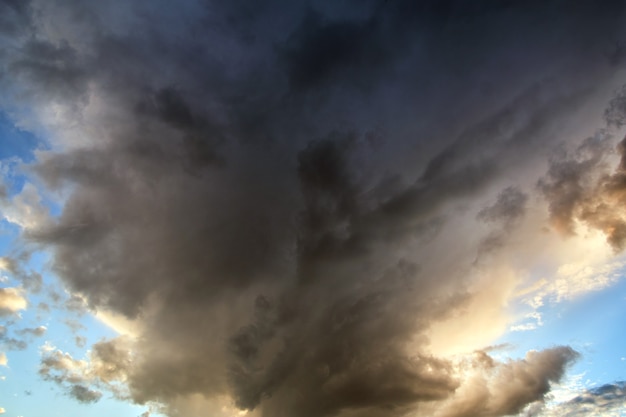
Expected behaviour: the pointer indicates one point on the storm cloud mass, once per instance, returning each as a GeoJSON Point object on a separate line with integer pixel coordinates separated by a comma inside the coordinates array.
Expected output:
{"type": "Point", "coordinates": [292, 200]}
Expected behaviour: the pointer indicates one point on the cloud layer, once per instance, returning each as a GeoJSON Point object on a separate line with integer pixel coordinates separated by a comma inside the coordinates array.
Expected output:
{"type": "Point", "coordinates": [285, 199]}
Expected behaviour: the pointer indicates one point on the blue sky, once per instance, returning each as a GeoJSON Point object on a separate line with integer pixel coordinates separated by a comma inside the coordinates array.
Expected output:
{"type": "Point", "coordinates": [310, 208]}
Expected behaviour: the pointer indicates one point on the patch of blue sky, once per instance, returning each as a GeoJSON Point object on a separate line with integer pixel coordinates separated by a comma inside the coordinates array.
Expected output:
{"type": "Point", "coordinates": [17, 151]}
{"type": "Point", "coordinates": [583, 323]}
{"type": "Point", "coordinates": [8, 233]}
{"type": "Point", "coordinates": [17, 148]}
{"type": "Point", "coordinates": [16, 142]}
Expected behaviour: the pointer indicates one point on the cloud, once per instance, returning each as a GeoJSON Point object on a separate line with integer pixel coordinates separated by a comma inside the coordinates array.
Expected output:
{"type": "Point", "coordinates": [508, 208]}
{"type": "Point", "coordinates": [3, 359]}
{"type": "Point", "coordinates": [10, 343]}
{"type": "Point", "coordinates": [606, 399]}
{"type": "Point", "coordinates": [494, 389]}
{"type": "Point", "coordinates": [25, 209]}
{"type": "Point", "coordinates": [30, 280]}
{"type": "Point", "coordinates": [279, 202]}
{"type": "Point", "coordinates": [12, 301]}
{"type": "Point", "coordinates": [2, 410]}
{"type": "Point", "coordinates": [580, 188]}
{"type": "Point", "coordinates": [84, 395]}
{"type": "Point", "coordinates": [107, 364]}
{"type": "Point", "coordinates": [36, 331]}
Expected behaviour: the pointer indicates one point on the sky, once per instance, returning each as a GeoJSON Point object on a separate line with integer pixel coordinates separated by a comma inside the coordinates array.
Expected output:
{"type": "Point", "coordinates": [306, 208]}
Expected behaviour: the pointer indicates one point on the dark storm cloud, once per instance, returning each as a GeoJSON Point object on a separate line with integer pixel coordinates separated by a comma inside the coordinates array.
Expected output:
{"type": "Point", "coordinates": [507, 209]}
{"type": "Point", "coordinates": [506, 213]}
{"type": "Point", "coordinates": [615, 113]}
{"type": "Point", "coordinates": [50, 69]}
{"type": "Point", "coordinates": [14, 16]}
{"type": "Point", "coordinates": [224, 191]}
{"type": "Point", "coordinates": [319, 50]}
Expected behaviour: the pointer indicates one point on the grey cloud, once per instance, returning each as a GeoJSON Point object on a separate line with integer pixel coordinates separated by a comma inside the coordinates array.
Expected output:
{"type": "Point", "coordinates": [50, 69]}
{"type": "Point", "coordinates": [226, 194]}
{"type": "Point", "coordinates": [508, 208]}
{"type": "Point", "coordinates": [84, 380]}
{"type": "Point", "coordinates": [31, 280]}
{"type": "Point", "coordinates": [35, 331]}
{"type": "Point", "coordinates": [14, 16]}
{"type": "Point", "coordinates": [566, 182]}
{"type": "Point", "coordinates": [604, 399]}
{"type": "Point", "coordinates": [607, 399]}
{"type": "Point", "coordinates": [615, 113]}
{"type": "Point", "coordinates": [75, 304]}
{"type": "Point", "coordinates": [84, 394]}
{"type": "Point", "coordinates": [507, 388]}
{"type": "Point", "coordinates": [74, 325]}
{"type": "Point", "coordinates": [80, 341]}
{"type": "Point", "coordinates": [58, 366]}
{"type": "Point", "coordinates": [112, 360]}
{"type": "Point", "coordinates": [320, 50]}
{"type": "Point", "coordinates": [506, 213]}
{"type": "Point", "coordinates": [14, 344]}
{"type": "Point", "coordinates": [10, 343]}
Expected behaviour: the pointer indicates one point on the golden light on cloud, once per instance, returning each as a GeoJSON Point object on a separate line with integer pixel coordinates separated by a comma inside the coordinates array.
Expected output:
{"type": "Point", "coordinates": [482, 320]}
{"type": "Point", "coordinates": [119, 323]}
{"type": "Point", "coordinates": [12, 300]}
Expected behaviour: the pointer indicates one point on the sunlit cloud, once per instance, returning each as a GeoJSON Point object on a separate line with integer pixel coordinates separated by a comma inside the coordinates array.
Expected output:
{"type": "Point", "coordinates": [12, 300]}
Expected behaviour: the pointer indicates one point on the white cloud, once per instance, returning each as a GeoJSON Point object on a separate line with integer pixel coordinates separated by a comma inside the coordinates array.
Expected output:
{"type": "Point", "coordinates": [567, 269]}
{"type": "Point", "coordinates": [578, 278]}
{"type": "Point", "coordinates": [3, 359]}
{"type": "Point", "coordinates": [11, 301]}
{"type": "Point", "coordinates": [105, 368]}
{"type": "Point", "coordinates": [25, 209]}
{"type": "Point", "coordinates": [523, 327]}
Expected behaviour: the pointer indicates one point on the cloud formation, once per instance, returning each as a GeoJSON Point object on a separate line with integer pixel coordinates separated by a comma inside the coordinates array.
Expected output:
{"type": "Point", "coordinates": [499, 389]}
{"type": "Point", "coordinates": [36, 331]}
{"type": "Point", "coordinates": [581, 189]}
{"type": "Point", "coordinates": [85, 379]}
{"type": "Point", "coordinates": [284, 199]}
{"type": "Point", "coordinates": [607, 399]}
{"type": "Point", "coordinates": [12, 300]}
